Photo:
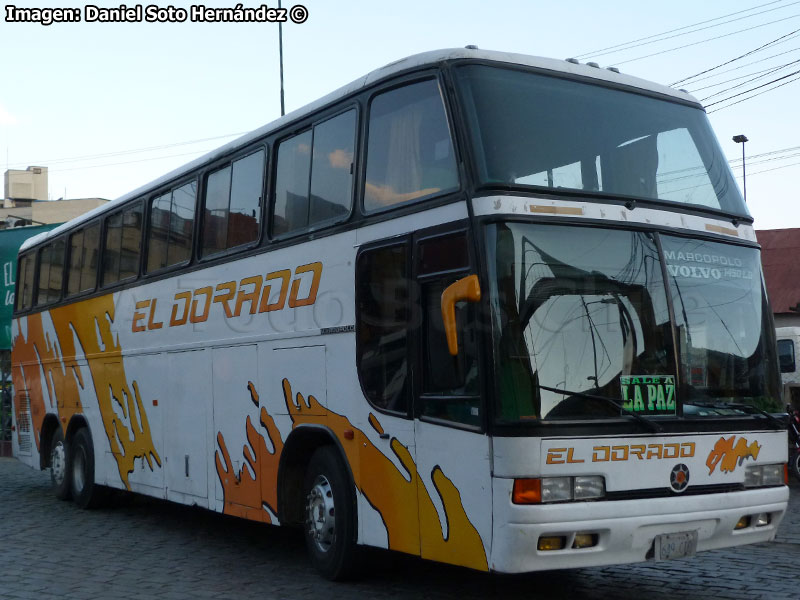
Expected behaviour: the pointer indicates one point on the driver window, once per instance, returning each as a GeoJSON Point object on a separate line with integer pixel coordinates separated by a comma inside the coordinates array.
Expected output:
{"type": "Point", "coordinates": [450, 387]}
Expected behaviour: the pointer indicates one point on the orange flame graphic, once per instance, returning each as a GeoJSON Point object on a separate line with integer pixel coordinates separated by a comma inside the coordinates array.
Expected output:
{"type": "Point", "coordinates": [390, 490]}
{"type": "Point", "coordinates": [726, 454]}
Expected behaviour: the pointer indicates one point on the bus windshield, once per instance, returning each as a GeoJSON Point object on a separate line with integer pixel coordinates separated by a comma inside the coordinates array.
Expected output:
{"type": "Point", "coordinates": [582, 325]}
{"type": "Point", "coordinates": [535, 131]}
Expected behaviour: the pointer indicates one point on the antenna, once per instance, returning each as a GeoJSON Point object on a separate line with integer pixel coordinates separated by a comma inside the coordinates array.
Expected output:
{"type": "Point", "coordinates": [280, 51]}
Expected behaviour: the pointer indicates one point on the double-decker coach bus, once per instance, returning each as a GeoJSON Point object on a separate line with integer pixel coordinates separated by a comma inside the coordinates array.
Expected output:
{"type": "Point", "coordinates": [493, 310]}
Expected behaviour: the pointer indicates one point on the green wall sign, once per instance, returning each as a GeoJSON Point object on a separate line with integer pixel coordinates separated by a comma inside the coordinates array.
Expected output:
{"type": "Point", "coordinates": [10, 241]}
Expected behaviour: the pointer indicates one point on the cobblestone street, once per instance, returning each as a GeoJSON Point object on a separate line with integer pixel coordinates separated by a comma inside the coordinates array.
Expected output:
{"type": "Point", "coordinates": [143, 548]}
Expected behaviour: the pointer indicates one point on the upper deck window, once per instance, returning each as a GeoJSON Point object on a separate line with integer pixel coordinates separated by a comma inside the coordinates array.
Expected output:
{"type": "Point", "coordinates": [169, 240]}
{"type": "Point", "coordinates": [123, 244]}
{"type": "Point", "coordinates": [314, 180]}
{"type": "Point", "coordinates": [409, 151]}
{"type": "Point", "coordinates": [532, 130]}
{"type": "Point", "coordinates": [83, 259]}
{"type": "Point", "coordinates": [232, 205]}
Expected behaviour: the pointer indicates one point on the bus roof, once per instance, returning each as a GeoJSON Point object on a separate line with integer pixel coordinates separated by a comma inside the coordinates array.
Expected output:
{"type": "Point", "coordinates": [415, 61]}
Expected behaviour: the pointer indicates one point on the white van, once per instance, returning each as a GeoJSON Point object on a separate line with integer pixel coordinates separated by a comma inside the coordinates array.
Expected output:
{"type": "Point", "coordinates": [788, 350]}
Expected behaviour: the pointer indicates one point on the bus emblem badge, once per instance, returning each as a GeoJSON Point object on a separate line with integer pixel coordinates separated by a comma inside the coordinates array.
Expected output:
{"type": "Point", "coordinates": [679, 477]}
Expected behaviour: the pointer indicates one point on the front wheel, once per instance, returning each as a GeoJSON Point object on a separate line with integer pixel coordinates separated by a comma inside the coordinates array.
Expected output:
{"type": "Point", "coordinates": [794, 464]}
{"type": "Point", "coordinates": [85, 492]}
{"type": "Point", "coordinates": [330, 519]}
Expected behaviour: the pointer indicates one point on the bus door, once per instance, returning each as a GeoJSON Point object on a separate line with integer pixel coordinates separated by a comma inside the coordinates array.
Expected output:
{"type": "Point", "coordinates": [453, 464]}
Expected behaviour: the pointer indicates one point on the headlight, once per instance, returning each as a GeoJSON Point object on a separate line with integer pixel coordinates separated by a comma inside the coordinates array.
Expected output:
{"type": "Point", "coordinates": [558, 489]}
{"type": "Point", "coordinates": [763, 475]}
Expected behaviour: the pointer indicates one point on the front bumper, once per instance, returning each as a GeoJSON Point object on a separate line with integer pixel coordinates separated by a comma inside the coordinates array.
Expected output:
{"type": "Point", "coordinates": [626, 528]}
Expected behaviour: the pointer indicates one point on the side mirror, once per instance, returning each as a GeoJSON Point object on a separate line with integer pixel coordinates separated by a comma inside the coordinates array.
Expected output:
{"type": "Point", "coordinates": [467, 289]}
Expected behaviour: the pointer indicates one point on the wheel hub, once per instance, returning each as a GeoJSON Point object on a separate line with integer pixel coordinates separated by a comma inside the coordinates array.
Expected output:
{"type": "Point", "coordinates": [78, 470]}
{"type": "Point", "coordinates": [58, 463]}
{"type": "Point", "coordinates": [320, 514]}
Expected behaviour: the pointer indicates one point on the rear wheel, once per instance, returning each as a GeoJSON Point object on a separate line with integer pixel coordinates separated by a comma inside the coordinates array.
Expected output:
{"type": "Point", "coordinates": [330, 528]}
{"type": "Point", "coordinates": [59, 470]}
{"type": "Point", "coordinates": [85, 492]}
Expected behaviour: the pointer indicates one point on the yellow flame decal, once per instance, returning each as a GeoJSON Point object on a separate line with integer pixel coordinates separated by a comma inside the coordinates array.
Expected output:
{"type": "Point", "coordinates": [726, 454]}
{"type": "Point", "coordinates": [90, 322]}
{"type": "Point", "coordinates": [393, 492]}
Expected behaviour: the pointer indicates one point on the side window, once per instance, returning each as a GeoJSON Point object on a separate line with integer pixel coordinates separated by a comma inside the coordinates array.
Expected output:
{"type": "Point", "coordinates": [450, 386]}
{"type": "Point", "coordinates": [75, 259]}
{"type": "Point", "coordinates": [122, 245]}
{"type": "Point", "coordinates": [42, 294]}
{"type": "Point", "coordinates": [56, 270]}
{"type": "Point", "coordinates": [786, 356]}
{"type": "Point", "coordinates": [169, 241]}
{"type": "Point", "coordinates": [291, 184]}
{"type": "Point", "coordinates": [314, 179]}
{"type": "Point", "coordinates": [409, 150]}
{"type": "Point", "coordinates": [25, 277]}
{"type": "Point", "coordinates": [382, 284]}
{"type": "Point", "coordinates": [83, 259]}
{"type": "Point", "coordinates": [232, 208]}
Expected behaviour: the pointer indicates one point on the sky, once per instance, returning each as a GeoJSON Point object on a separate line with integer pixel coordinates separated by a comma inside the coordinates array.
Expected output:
{"type": "Point", "coordinates": [108, 107]}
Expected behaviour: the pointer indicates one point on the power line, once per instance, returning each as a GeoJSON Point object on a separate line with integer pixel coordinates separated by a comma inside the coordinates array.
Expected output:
{"type": "Point", "coordinates": [123, 152]}
{"type": "Point", "coordinates": [709, 40]}
{"type": "Point", "coordinates": [756, 78]}
{"type": "Point", "coordinates": [753, 96]}
{"type": "Point", "coordinates": [745, 65]}
{"type": "Point", "coordinates": [755, 88]}
{"type": "Point", "coordinates": [724, 81]}
{"type": "Point", "coordinates": [127, 162]}
{"type": "Point", "coordinates": [772, 43]}
{"type": "Point", "coordinates": [633, 43]}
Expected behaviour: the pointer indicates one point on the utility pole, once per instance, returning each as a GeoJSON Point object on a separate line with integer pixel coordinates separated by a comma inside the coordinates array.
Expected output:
{"type": "Point", "coordinates": [280, 52]}
{"type": "Point", "coordinates": [740, 139]}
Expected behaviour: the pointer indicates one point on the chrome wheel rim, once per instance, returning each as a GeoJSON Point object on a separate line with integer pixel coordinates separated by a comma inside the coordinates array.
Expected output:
{"type": "Point", "coordinates": [58, 463]}
{"type": "Point", "coordinates": [78, 470]}
{"type": "Point", "coordinates": [321, 514]}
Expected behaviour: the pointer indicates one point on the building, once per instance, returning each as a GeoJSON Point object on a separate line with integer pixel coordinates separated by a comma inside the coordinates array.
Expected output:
{"type": "Point", "coordinates": [27, 185]}
{"type": "Point", "coordinates": [780, 253]}
{"type": "Point", "coordinates": [26, 201]}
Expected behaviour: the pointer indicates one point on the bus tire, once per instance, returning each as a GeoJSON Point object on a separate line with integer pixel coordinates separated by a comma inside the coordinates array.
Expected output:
{"type": "Point", "coordinates": [59, 466]}
{"type": "Point", "coordinates": [85, 492]}
{"type": "Point", "coordinates": [329, 516]}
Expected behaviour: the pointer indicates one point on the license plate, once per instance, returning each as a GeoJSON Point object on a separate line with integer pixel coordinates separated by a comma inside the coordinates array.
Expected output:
{"type": "Point", "coordinates": [669, 546]}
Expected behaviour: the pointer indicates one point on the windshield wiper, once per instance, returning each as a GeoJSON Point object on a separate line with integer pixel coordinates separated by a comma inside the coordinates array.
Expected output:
{"type": "Point", "coordinates": [650, 425]}
{"type": "Point", "coordinates": [746, 407]}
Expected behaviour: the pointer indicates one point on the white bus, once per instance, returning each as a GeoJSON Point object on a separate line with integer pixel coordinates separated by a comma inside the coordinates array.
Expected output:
{"type": "Point", "coordinates": [492, 310]}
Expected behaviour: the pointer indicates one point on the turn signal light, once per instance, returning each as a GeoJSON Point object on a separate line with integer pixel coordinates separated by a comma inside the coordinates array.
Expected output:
{"type": "Point", "coordinates": [527, 491]}
{"type": "Point", "coordinates": [551, 542]}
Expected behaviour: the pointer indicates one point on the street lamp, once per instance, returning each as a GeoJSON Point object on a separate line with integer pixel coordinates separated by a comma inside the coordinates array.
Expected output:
{"type": "Point", "coordinates": [741, 139]}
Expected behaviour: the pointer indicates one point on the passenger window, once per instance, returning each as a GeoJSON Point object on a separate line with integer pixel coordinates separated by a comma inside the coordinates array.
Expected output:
{"type": "Point", "coordinates": [332, 168]}
{"type": "Point", "coordinates": [383, 326]}
{"type": "Point", "coordinates": [232, 210]}
{"type": "Point", "coordinates": [123, 245]}
{"type": "Point", "coordinates": [56, 271]}
{"type": "Point", "coordinates": [83, 255]}
{"type": "Point", "coordinates": [291, 184]}
{"type": "Point", "coordinates": [44, 276]}
{"type": "Point", "coordinates": [25, 277]}
{"type": "Point", "coordinates": [409, 151]}
{"type": "Point", "coordinates": [314, 180]}
{"type": "Point", "coordinates": [169, 240]}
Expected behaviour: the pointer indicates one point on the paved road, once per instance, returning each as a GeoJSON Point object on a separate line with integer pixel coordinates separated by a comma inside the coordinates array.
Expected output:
{"type": "Point", "coordinates": [144, 548]}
